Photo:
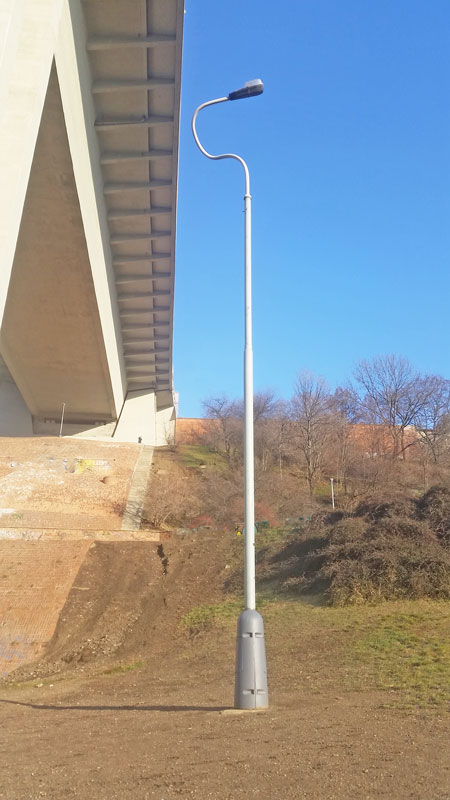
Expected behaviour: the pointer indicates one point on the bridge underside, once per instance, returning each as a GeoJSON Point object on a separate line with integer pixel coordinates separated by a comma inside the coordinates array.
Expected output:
{"type": "Point", "coordinates": [89, 156]}
{"type": "Point", "coordinates": [51, 334]}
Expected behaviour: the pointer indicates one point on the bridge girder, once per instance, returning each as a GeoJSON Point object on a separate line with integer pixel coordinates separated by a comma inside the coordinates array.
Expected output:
{"type": "Point", "coordinates": [89, 136]}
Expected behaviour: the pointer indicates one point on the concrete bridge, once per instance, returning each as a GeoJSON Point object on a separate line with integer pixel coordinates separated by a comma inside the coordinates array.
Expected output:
{"type": "Point", "coordinates": [89, 119]}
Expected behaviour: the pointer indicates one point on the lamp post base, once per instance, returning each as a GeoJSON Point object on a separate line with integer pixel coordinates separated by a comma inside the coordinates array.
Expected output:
{"type": "Point", "coordinates": [251, 671]}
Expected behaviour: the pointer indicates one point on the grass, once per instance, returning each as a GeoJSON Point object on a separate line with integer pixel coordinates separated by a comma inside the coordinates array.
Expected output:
{"type": "Point", "coordinates": [400, 647]}
{"type": "Point", "coordinates": [266, 536]}
{"type": "Point", "coordinates": [409, 652]}
{"type": "Point", "coordinates": [206, 616]}
{"type": "Point", "coordinates": [323, 490]}
{"type": "Point", "coordinates": [120, 669]}
{"type": "Point", "coordinates": [49, 680]}
{"type": "Point", "coordinates": [198, 456]}
{"type": "Point", "coordinates": [117, 669]}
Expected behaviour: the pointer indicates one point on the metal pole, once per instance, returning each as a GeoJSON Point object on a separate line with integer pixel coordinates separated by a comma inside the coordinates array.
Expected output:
{"type": "Point", "coordinates": [62, 419]}
{"type": "Point", "coordinates": [332, 492]}
{"type": "Point", "coordinates": [251, 689]}
{"type": "Point", "coordinates": [249, 473]}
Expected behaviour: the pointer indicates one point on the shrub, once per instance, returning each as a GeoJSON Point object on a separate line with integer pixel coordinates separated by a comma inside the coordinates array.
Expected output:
{"type": "Point", "coordinates": [381, 551]}
{"type": "Point", "coordinates": [434, 507]}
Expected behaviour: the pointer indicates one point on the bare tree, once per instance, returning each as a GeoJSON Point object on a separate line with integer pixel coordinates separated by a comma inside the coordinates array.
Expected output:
{"type": "Point", "coordinates": [226, 435]}
{"type": "Point", "coordinates": [282, 435]}
{"type": "Point", "coordinates": [264, 405]}
{"type": "Point", "coordinates": [347, 403]}
{"type": "Point", "coordinates": [266, 409]}
{"type": "Point", "coordinates": [272, 436]}
{"type": "Point", "coordinates": [434, 419]}
{"type": "Point", "coordinates": [229, 416]}
{"type": "Point", "coordinates": [393, 394]}
{"type": "Point", "coordinates": [311, 408]}
{"type": "Point", "coordinates": [347, 412]}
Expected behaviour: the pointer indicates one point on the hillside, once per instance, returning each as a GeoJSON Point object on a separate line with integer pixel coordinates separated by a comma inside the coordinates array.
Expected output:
{"type": "Point", "coordinates": [131, 698]}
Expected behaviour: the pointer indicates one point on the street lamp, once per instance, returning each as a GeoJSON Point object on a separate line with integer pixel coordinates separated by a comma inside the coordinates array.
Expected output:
{"type": "Point", "coordinates": [251, 673]}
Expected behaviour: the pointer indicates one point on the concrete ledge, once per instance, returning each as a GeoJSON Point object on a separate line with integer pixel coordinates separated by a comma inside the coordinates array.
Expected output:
{"type": "Point", "coordinates": [57, 535]}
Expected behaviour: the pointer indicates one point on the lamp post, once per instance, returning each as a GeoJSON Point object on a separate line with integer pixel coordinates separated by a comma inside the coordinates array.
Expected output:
{"type": "Point", "coordinates": [251, 673]}
{"type": "Point", "coordinates": [62, 419]}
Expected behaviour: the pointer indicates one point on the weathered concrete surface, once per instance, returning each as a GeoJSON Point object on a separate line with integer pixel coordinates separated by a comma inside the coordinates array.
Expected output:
{"type": "Point", "coordinates": [134, 509]}
{"type": "Point", "coordinates": [29, 34]}
{"type": "Point", "coordinates": [64, 483]}
{"type": "Point", "coordinates": [57, 498]}
{"type": "Point", "coordinates": [89, 96]}
{"type": "Point", "coordinates": [35, 579]}
{"type": "Point", "coordinates": [64, 535]}
{"type": "Point", "coordinates": [51, 337]}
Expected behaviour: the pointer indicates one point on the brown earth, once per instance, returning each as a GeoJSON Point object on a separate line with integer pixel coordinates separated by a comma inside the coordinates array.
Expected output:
{"type": "Point", "coordinates": [127, 704]}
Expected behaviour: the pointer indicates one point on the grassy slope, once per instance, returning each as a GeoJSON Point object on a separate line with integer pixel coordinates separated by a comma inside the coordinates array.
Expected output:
{"type": "Point", "coordinates": [401, 647]}
{"type": "Point", "coordinates": [198, 456]}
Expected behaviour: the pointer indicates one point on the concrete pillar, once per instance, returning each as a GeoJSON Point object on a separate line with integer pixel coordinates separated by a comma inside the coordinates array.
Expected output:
{"type": "Point", "coordinates": [140, 419]}
{"type": "Point", "coordinates": [29, 33]}
{"type": "Point", "coordinates": [15, 419]}
{"type": "Point", "coordinates": [75, 81]}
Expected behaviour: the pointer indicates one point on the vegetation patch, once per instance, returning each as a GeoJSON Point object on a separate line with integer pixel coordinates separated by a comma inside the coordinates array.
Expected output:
{"type": "Point", "coordinates": [408, 650]}
{"type": "Point", "coordinates": [400, 647]}
{"type": "Point", "coordinates": [200, 457]}
{"type": "Point", "coordinates": [268, 535]}
{"type": "Point", "coordinates": [379, 552]}
{"type": "Point", "coordinates": [120, 669]}
{"type": "Point", "coordinates": [206, 616]}
{"type": "Point", "coordinates": [434, 506]}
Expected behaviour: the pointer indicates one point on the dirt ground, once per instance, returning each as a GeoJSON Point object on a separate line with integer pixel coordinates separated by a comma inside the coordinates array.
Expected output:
{"type": "Point", "coordinates": [126, 704]}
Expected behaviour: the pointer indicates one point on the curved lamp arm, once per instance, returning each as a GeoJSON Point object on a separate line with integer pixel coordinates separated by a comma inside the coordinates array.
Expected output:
{"type": "Point", "coordinates": [223, 155]}
{"type": "Point", "coordinates": [251, 673]}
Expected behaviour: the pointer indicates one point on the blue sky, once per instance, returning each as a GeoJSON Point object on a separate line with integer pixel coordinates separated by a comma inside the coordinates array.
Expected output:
{"type": "Point", "coordinates": [349, 156]}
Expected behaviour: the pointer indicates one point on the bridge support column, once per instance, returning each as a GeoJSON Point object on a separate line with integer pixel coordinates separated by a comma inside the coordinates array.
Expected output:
{"type": "Point", "coordinates": [15, 419]}
{"type": "Point", "coordinates": [140, 420]}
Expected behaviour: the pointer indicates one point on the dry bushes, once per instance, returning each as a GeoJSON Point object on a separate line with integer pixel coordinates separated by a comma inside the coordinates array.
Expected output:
{"type": "Point", "coordinates": [435, 509]}
{"type": "Point", "coordinates": [379, 552]}
{"type": "Point", "coordinates": [192, 496]}
{"type": "Point", "coordinates": [393, 558]}
{"type": "Point", "coordinates": [172, 498]}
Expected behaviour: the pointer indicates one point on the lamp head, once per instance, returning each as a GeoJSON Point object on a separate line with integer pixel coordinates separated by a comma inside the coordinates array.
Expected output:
{"type": "Point", "coordinates": [250, 89]}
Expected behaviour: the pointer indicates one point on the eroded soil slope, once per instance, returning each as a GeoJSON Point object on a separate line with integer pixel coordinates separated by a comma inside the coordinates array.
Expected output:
{"type": "Point", "coordinates": [127, 601]}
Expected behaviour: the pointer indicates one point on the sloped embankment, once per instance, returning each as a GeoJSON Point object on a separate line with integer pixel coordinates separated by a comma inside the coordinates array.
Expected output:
{"type": "Point", "coordinates": [382, 551]}
{"type": "Point", "coordinates": [127, 601]}
{"type": "Point", "coordinates": [35, 580]}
